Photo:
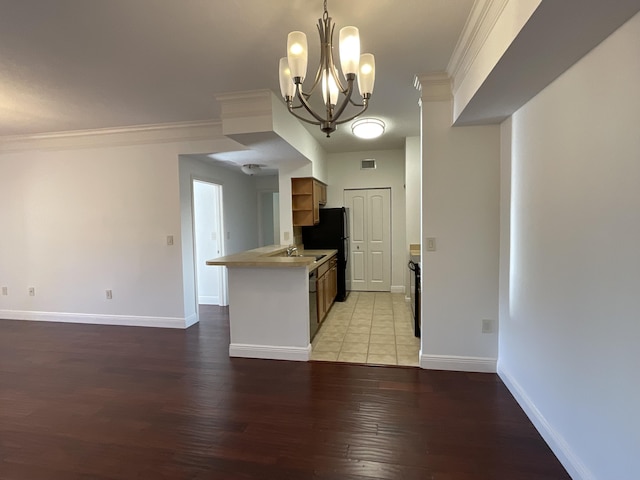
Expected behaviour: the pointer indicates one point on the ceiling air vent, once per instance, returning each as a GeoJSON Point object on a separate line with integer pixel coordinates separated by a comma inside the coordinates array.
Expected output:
{"type": "Point", "coordinates": [368, 164]}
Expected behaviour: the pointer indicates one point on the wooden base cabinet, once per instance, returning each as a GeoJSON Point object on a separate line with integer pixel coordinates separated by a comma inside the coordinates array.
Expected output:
{"type": "Point", "coordinates": [327, 286]}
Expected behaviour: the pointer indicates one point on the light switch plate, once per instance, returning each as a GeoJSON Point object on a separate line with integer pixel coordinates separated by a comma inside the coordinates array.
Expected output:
{"type": "Point", "coordinates": [431, 244]}
{"type": "Point", "coordinates": [487, 326]}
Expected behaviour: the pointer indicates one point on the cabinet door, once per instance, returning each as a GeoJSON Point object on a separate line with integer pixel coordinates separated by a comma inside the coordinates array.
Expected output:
{"type": "Point", "coordinates": [333, 280]}
{"type": "Point", "coordinates": [316, 202]}
{"type": "Point", "coordinates": [323, 194]}
{"type": "Point", "coordinates": [332, 284]}
{"type": "Point", "coordinates": [321, 295]}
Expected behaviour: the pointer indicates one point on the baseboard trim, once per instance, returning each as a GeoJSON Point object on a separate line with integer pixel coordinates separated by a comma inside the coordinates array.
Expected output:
{"type": "Point", "coordinates": [458, 364]}
{"type": "Point", "coordinates": [208, 300]}
{"type": "Point", "coordinates": [397, 288]}
{"type": "Point", "coordinates": [191, 320]}
{"type": "Point", "coordinates": [558, 445]}
{"type": "Point", "coordinates": [300, 354]}
{"type": "Point", "coordinates": [98, 319]}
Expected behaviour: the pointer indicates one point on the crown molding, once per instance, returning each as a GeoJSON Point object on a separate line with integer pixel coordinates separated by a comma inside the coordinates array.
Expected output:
{"type": "Point", "coordinates": [481, 21]}
{"type": "Point", "coordinates": [434, 87]}
{"type": "Point", "coordinates": [118, 136]}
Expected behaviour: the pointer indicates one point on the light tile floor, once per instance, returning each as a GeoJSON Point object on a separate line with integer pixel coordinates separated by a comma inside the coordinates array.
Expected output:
{"type": "Point", "coordinates": [370, 327]}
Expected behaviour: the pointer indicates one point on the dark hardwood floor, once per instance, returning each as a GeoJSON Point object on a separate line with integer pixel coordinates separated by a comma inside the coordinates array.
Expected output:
{"type": "Point", "coordinates": [102, 402]}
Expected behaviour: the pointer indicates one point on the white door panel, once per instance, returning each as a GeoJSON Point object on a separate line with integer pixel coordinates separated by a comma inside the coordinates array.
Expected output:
{"type": "Point", "coordinates": [370, 238]}
{"type": "Point", "coordinates": [358, 205]}
{"type": "Point", "coordinates": [208, 242]}
{"type": "Point", "coordinates": [358, 262]}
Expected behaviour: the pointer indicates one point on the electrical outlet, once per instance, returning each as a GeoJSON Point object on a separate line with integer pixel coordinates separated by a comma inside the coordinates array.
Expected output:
{"type": "Point", "coordinates": [487, 326]}
{"type": "Point", "coordinates": [32, 291]}
{"type": "Point", "coordinates": [170, 240]}
{"type": "Point", "coordinates": [5, 291]}
{"type": "Point", "coordinates": [109, 295]}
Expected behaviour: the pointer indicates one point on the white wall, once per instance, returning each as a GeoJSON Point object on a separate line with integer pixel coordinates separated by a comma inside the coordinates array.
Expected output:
{"type": "Point", "coordinates": [78, 221]}
{"type": "Point", "coordinates": [570, 315]}
{"type": "Point", "coordinates": [239, 203]}
{"type": "Point", "coordinates": [413, 197]}
{"type": "Point", "coordinates": [460, 195]}
{"type": "Point", "coordinates": [413, 180]}
{"type": "Point", "coordinates": [84, 214]}
{"type": "Point", "coordinates": [344, 173]}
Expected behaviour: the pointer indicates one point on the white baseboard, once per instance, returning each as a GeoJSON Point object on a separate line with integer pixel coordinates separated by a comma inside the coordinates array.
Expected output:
{"type": "Point", "coordinates": [569, 460]}
{"type": "Point", "coordinates": [191, 320]}
{"type": "Point", "coordinates": [300, 354]}
{"type": "Point", "coordinates": [458, 364]}
{"type": "Point", "coordinates": [98, 319]}
{"type": "Point", "coordinates": [208, 300]}
{"type": "Point", "coordinates": [397, 288]}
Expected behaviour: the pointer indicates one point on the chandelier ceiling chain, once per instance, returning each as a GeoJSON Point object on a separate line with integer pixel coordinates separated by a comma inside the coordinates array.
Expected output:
{"type": "Point", "coordinates": [293, 70]}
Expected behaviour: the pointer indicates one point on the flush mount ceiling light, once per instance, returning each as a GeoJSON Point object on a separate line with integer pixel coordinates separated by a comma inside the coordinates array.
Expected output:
{"type": "Point", "coordinates": [368, 128]}
{"type": "Point", "coordinates": [293, 69]}
{"type": "Point", "coordinates": [251, 168]}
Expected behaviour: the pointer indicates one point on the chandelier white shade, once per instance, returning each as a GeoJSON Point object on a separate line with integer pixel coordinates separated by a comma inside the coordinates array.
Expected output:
{"type": "Point", "coordinates": [368, 128]}
{"type": "Point", "coordinates": [336, 95]}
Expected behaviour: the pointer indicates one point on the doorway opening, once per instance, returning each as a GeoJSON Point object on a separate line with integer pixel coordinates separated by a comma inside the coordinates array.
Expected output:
{"type": "Point", "coordinates": [208, 242]}
{"type": "Point", "coordinates": [268, 217]}
{"type": "Point", "coordinates": [373, 326]}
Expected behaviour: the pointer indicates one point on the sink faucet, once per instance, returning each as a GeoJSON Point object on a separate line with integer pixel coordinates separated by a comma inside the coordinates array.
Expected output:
{"type": "Point", "coordinates": [291, 250]}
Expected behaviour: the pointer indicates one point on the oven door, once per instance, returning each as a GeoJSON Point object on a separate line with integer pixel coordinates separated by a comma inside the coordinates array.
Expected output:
{"type": "Point", "coordinates": [417, 307]}
{"type": "Point", "coordinates": [412, 287]}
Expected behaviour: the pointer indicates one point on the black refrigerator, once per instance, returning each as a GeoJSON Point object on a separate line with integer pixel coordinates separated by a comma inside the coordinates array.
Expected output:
{"type": "Point", "coordinates": [332, 232]}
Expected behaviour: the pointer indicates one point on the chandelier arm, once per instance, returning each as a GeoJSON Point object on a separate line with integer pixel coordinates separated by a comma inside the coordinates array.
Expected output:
{"type": "Point", "coordinates": [365, 106]}
{"type": "Point", "coordinates": [300, 117]}
{"type": "Point", "coordinates": [306, 105]}
{"type": "Point", "coordinates": [318, 76]}
{"type": "Point", "coordinates": [347, 99]}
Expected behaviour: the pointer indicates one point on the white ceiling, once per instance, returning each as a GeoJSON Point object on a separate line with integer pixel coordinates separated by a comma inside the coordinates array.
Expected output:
{"type": "Point", "coordinates": [77, 64]}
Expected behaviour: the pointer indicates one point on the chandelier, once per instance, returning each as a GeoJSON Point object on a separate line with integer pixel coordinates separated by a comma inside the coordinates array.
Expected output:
{"type": "Point", "coordinates": [336, 94]}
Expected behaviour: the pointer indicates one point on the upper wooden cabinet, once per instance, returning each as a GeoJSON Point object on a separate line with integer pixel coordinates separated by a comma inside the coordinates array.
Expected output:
{"type": "Point", "coordinates": [307, 194]}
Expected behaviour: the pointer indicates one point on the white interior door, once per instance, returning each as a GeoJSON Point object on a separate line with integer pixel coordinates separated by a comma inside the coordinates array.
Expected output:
{"type": "Point", "coordinates": [208, 240]}
{"type": "Point", "coordinates": [370, 238]}
{"type": "Point", "coordinates": [356, 202]}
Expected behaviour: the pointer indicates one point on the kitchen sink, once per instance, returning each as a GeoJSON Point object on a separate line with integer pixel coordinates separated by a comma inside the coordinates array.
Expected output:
{"type": "Point", "coordinates": [310, 255]}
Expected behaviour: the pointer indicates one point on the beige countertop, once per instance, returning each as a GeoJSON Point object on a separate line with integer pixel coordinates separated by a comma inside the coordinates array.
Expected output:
{"type": "Point", "coordinates": [414, 252]}
{"type": "Point", "coordinates": [271, 256]}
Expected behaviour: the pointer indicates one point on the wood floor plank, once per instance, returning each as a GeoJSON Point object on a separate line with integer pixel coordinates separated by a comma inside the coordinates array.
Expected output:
{"type": "Point", "coordinates": [81, 402]}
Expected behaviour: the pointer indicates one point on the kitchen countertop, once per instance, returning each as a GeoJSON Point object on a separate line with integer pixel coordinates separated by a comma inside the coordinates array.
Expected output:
{"type": "Point", "coordinates": [414, 252]}
{"type": "Point", "coordinates": [270, 257]}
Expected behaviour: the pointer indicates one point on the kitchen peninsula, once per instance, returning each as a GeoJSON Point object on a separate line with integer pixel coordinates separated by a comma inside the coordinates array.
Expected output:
{"type": "Point", "coordinates": [269, 301]}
